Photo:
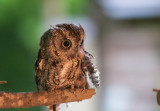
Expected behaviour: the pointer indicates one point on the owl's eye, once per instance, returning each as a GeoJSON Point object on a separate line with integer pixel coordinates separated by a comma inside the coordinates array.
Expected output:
{"type": "Point", "coordinates": [66, 43]}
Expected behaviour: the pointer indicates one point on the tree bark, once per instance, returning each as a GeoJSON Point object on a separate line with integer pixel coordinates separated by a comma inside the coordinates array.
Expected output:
{"type": "Point", "coordinates": [3, 82]}
{"type": "Point", "coordinates": [43, 98]}
{"type": "Point", "coordinates": [158, 95]}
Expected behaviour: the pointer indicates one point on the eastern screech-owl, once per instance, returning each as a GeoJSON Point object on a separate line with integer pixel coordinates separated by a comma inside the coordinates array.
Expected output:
{"type": "Point", "coordinates": [62, 61]}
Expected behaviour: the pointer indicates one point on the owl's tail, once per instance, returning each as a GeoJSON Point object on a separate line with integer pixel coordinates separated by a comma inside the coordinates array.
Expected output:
{"type": "Point", "coordinates": [53, 107]}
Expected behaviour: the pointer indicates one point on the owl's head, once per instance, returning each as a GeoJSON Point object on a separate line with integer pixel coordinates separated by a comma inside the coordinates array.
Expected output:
{"type": "Point", "coordinates": [63, 41]}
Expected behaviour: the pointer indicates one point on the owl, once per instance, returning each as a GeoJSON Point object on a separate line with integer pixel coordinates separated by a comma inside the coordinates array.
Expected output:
{"type": "Point", "coordinates": [62, 60]}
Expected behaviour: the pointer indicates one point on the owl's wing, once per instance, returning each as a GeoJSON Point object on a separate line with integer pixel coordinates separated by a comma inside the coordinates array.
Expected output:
{"type": "Point", "coordinates": [38, 69]}
{"type": "Point", "coordinates": [88, 54]}
{"type": "Point", "coordinates": [91, 70]}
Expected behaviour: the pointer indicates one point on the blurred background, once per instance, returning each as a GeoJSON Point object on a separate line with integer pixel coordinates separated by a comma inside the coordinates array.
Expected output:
{"type": "Point", "coordinates": [123, 36]}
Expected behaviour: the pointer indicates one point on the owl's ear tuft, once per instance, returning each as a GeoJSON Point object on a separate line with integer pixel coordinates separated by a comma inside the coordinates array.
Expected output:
{"type": "Point", "coordinates": [81, 30]}
{"type": "Point", "coordinates": [45, 37]}
{"type": "Point", "coordinates": [82, 34]}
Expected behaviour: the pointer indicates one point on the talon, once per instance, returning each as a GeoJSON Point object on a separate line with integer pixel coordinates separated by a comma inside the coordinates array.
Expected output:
{"type": "Point", "coordinates": [72, 86]}
{"type": "Point", "coordinates": [83, 89]}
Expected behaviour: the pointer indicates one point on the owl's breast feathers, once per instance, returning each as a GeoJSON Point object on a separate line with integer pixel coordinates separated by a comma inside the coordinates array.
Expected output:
{"type": "Point", "coordinates": [67, 73]}
{"type": "Point", "coordinates": [54, 75]}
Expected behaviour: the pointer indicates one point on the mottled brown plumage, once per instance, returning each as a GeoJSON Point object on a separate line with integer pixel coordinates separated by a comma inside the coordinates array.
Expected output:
{"type": "Point", "coordinates": [62, 61]}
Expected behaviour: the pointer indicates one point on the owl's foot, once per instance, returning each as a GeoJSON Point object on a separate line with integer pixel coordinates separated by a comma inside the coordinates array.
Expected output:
{"type": "Point", "coordinates": [53, 89]}
{"type": "Point", "coordinates": [83, 89]}
{"type": "Point", "coordinates": [72, 88]}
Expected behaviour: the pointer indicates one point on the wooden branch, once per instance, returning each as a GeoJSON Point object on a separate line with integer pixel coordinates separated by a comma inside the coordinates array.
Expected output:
{"type": "Point", "coordinates": [3, 82]}
{"type": "Point", "coordinates": [43, 98]}
{"type": "Point", "coordinates": [158, 95]}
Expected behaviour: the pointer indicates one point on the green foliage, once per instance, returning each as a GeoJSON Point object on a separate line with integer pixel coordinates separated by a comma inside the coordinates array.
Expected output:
{"type": "Point", "coordinates": [19, 42]}
{"type": "Point", "coordinates": [76, 7]}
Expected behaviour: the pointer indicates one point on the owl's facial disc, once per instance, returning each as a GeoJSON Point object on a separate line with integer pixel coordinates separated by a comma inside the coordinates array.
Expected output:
{"type": "Point", "coordinates": [66, 44]}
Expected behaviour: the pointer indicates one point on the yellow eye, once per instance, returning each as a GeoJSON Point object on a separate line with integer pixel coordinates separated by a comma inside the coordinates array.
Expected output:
{"type": "Point", "coordinates": [66, 43]}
